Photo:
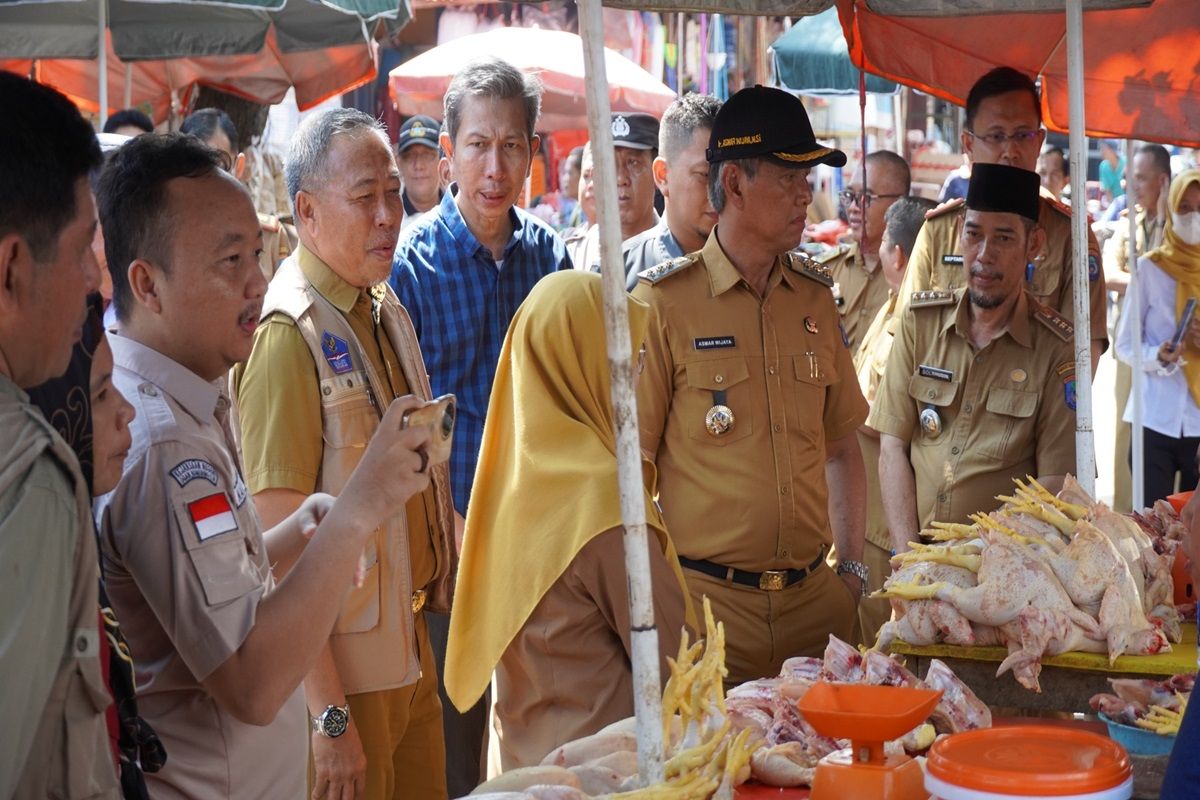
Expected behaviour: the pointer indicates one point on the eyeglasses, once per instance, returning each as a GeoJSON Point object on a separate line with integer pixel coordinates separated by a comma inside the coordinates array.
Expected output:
{"type": "Point", "coordinates": [1000, 138]}
{"type": "Point", "coordinates": [849, 197]}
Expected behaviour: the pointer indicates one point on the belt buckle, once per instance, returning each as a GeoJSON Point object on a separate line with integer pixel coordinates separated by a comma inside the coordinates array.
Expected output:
{"type": "Point", "coordinates": [773, 580]}
{"type": "Point", "coordinates": [418, 600]}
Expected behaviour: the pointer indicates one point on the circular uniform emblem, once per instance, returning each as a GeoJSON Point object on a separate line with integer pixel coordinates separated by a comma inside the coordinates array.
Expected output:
{"type": "Point", "coordinates": [931, 423]}
{"type": "Point", "coordinates": [810, 325]}
{"type": "Point", "coordinates": [620, 127]}
{"type": "Point", "coordinates": [1018, 375]}
{"type": "Point", "coordinates": [417, 130]}
{"type": "Point", "coordinates": [719, 420]}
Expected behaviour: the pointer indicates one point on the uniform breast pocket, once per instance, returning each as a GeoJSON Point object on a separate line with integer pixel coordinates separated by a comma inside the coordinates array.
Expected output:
{"type": "Point", "coordinates": [724, 381]}
{"type": "Point", "coordinates": [360, 609]}
{"type": "Point", "coordinates": [82, 772]}
{"type": "Point", "coordinates": [938, 396]}
{"type": "Point", "coordinates": [348, 415]}
{"type": "Point", "coordinates": [813, 375]}
{"type": "Point", "coordinates": [1010, 427]}
{"type": "Point", "coordinates": [215, 540]}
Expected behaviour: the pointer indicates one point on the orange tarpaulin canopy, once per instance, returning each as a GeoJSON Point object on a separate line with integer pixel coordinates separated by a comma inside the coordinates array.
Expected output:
{"type": "Point", "coordinates": [1142, 65]}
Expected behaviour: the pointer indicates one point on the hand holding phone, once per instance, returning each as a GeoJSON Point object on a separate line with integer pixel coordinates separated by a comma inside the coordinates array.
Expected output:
{"type": "Point", "coordinates": [438, 416]}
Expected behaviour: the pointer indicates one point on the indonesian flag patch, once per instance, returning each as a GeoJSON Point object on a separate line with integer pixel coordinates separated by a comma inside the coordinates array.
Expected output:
{"type": "Point", "coordinates": [212, 516]}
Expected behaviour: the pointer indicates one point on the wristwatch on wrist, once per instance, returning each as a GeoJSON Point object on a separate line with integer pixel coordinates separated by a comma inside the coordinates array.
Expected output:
{"type": "Point", "coordinates": [332, 722]}
{"type": "Point", "coordinates": [858, 569]}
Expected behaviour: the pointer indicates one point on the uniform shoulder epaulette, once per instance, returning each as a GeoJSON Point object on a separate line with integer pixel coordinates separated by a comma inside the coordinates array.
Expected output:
{"type": "Point", "coordinates": [832, 254]}
{"type": "Point", "coordinates": [930, 298]}
{"type": "Point", "coordinates": [810, 269]}
{"type": "Point", "coordinates": [667, 268]}
{"type": "Point", "coordinates": [946, 208]}
{"type": "Point", "coordinates": [1055, 321]}
{"type": "Point", "coordinates": [1056, 204]}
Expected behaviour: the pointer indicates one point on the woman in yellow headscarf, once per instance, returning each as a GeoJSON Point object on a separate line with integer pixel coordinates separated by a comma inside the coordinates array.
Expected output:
{"type": "Point", "coordinates": [542, 594]}
{"type": "Point", "coordinates": [1167, 277]}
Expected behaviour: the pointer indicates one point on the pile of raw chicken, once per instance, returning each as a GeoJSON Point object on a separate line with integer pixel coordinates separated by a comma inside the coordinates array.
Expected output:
{"type": "Point", "coordinates": [715, 742]}
{"type": "Point", "coordinates": [1041, 575]}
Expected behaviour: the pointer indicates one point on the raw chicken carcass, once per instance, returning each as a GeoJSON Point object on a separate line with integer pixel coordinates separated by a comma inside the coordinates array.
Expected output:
{"type": "Point", "coordinates": [959, 709]}
{"type": "Point", "coordinates": [802, 668]}
{"type": "Point", "coordinates": [783, 765]}
{"type": "Point", "coordinates": [1116, 709]}
{"type": "Point", "coordinates": [1038, 632]}
{"type": "Point", "coordinates": [1073, 492]}
{"type": "Point", "coordinates": [925, 622]}
{"type": "Point", "coordinates": [590, 748]}
{"type": "Point", "coordinates": [842, 662]}
{"type": "Point", "coordinates": [521, 779]}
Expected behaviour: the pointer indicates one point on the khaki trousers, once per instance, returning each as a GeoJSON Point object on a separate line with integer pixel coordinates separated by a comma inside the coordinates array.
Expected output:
{"type": "Point", "coordinates": [873, 612]}
{"type": "Point", "coordinates": [401, 733]}
{"type": "Point", "coordinates": [763, 629]}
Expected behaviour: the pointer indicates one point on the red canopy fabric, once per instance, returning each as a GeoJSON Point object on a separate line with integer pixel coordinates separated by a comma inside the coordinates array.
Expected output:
{"type": "Point", "coordinates": [1141, 65]}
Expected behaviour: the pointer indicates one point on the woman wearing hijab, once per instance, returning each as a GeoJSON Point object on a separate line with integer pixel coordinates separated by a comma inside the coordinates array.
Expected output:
{"type": "Point", "coordinates": [93, 418]}
{"type": "Point", "coordinates": [542, 593]}
{"type": "Point", "coordinates": [1168, 276]}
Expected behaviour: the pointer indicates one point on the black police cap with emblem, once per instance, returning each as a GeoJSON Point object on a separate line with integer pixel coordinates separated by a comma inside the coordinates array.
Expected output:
{"type": "Point", "coordinates": [635, 130]}
{"type": "Point", "coordinates": [418, 130]}
{"type": "Point", "coordinates": [762, 122]}
{"type": "Point", "coordinates": [1004, 189]}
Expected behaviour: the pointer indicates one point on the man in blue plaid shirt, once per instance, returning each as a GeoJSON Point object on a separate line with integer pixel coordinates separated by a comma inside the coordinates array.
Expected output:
{"type": "Point", "coordinates": [461, 271]}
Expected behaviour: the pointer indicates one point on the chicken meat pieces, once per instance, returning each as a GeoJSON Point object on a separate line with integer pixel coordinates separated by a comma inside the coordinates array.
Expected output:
{"type": "Point", "coordinates": [959, 709]}
{"type": "Point", "coordinates": [1038, 632]}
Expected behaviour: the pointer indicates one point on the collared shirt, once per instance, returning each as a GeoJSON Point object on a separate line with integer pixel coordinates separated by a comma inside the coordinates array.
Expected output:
{"type": "Point", "coordinates": [857, 290]}
{"type": "Point", "coordinates": [648, 249]}
{"type": "Point", "coordinates": [1167, 404]}
{"type": "Point", "coordinates": [869, 363]}
{"type": "Point", "coordinates": [461, 306]}
{"type": "Point", "coordinates": [1004, 411]}
{"type": "Point", "coordinates": [583, 245]}
{"type": "Point", "coordinates": [937, 263]}
{"type": "Point", "coordinates": [186, 569]}
{"type": "Point", "coordinates": [755, 496]}
{"type": "Point", "coordinates": [1149, 235]}
{"type": "Point", "coordinates": [279, 403]}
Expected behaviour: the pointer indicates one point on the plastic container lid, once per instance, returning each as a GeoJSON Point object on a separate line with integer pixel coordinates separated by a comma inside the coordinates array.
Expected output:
{"type": "Point", "coordinates": [1030, 761]}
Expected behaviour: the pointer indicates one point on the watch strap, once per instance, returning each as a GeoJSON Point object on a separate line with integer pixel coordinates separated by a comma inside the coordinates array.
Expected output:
{"type": "Point", "coordinates": [858, 569]}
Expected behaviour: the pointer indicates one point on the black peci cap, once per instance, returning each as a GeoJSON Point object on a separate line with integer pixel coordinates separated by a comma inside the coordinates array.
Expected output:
{"type": "Point", "coordinates": [763, 122]}
{"type": "Point", "coordinates": [418, 130]}
{"type": "Point", "coordinates": [636, 130]}
{"type": "Point", "coordinates": [1005, 189]}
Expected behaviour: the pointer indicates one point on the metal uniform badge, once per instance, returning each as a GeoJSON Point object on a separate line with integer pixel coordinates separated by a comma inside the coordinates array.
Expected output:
{"type": "Point", "coordinates": [810, 325]}
{"type": "Point", "coordinates": [719, 419]}
{"type": "Point", "coordinates": [620, 127]}
{"type": "Point", "coordinates": [931, 421]}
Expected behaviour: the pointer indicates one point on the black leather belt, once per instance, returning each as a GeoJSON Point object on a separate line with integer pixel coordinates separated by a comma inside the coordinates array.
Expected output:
{"type": "Point", "coordinates": [771, 580]}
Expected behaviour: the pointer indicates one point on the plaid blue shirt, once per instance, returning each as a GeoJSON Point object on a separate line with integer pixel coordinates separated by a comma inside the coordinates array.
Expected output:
{"type": "Point", "coordinates": [461, 306]}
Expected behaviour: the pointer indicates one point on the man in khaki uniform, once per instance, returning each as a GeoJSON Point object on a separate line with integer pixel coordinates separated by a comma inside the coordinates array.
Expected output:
{"type": "Point", "coordinates": [334, 348]}
{"type": "Point", "coordinates": [748, 403]}
{"type": "Point", "coordinates": [980, 383]}
{"type": "Point", "coordinates": [1004, 121]}
{"type": "Point", "coordinates": [1151, 178]}
{"type": "Point", "coordinates": [55, 739]}
{"type": "Point", "coordinates": [859, 288]}
{"type": "Point", "coordinates": [901, 224]}
{"type": "Point", "coordinates": [220, 647]}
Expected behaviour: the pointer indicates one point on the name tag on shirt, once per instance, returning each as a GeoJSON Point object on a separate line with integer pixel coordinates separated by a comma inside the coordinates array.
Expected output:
{"type": "Point", "coordinates": [212, 516]}
{"type": "Point", "coordinates": [956, 260]}
{"type": "Point", "coordinates": [714, 342]}
{"type": "Point", "coordinates": [937, 373]}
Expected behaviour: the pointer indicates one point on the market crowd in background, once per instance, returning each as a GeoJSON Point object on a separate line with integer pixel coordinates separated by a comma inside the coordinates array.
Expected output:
{"type": "Point", "coordinates": [275, 593]}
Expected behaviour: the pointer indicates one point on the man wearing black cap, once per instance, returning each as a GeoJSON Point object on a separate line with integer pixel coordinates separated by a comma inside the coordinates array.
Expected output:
{"type": "Point", "coordinates": [635, 141]}
{"type": "Point", "coordinates": [417, 157]}
{"type": "Point", "coordinates": [748, 402]}
{"type": "Point", "coordinates": [980, 383]}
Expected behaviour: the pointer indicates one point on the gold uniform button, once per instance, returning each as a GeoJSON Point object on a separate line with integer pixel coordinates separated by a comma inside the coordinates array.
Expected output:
{"type": "Point", "coordinates": [770, 370]}
{"type": "Point", "coordinates": [954, 450]}
{"type": "Point", "coordinates": [719, 379]}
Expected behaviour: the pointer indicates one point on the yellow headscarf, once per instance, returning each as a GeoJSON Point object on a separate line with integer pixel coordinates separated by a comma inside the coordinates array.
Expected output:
{"type": "Point", "coordinates": [546, 482]}
{"type": "Point", "coordinates": [1181, 261]}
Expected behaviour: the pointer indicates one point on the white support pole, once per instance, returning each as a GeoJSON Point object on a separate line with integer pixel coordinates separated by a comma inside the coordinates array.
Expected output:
{"type": "Point", "coordinates": [1131, 306]}
{"type": "Point", "coordinates": [102, 64]}
{"type": "Point", "coordinates": [647, 686]}
{"type": "Point", "coordinates": [127, 99]}
{"type": "Point", "coordinates": [1085, 443]}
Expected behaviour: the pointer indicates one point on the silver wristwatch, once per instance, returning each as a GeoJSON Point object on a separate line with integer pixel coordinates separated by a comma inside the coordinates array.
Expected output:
{"type": "Point", "coordinates": [858, 569]}
{"type": "Point", "coordinates": [332, 722]}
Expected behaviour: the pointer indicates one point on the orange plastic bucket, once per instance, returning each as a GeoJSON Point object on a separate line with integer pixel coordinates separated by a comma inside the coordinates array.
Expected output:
{"type": "Point", "coordinates": [1028, 761]}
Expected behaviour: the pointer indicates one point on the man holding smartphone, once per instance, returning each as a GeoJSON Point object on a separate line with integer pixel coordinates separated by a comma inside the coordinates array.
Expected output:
{"type": "Point", "coordinates": [333, 350]}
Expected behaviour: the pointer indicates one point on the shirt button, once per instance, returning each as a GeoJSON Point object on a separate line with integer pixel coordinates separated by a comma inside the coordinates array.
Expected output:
{"type": "Point", "coordinates": [932, 394]}
{"type": "Point", "coordinates": [967, 408]}
{"type": "Point", "coordinates": [783, 490]}
{"type": "Point", "coordinates": [785, 554]}
{"type": "Point", "coordinates": [941, 498]}
{"type": "Point", "coordinates": [778, 427]}
{"type": "Point", "coordinates": [149, 391]}
{"type": "Point", "coordinates": [770, 370]}
{"type": "Point", "coordinates": [954, 450]}
{"type": "Point", "coordinates": [719, 379]}
{"type": "Point", "coordinates": [81, 643]}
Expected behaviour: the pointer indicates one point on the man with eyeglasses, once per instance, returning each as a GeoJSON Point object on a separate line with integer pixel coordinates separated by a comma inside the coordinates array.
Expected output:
{"type": "Point", "coordinates": [859, 288]}
{"type": "Point", "coordinates": [1004, 127]}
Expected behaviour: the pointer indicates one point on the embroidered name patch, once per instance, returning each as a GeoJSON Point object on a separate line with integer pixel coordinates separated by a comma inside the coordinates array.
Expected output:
{"type": "Point", "coordinates": [956, 260]}
{"type": "Point", "coordinates": [337, 353]}
{"type": "Point", "coordinates": [714, 342]}
{"type": "Point", "coordinates": [212, 516]}
{"type": "Point", "coordinates": [187, 471]}
{"type": "Point", "coordinates": [937, 373]}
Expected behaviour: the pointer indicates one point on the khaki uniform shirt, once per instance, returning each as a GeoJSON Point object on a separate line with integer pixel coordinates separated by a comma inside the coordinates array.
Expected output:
{"type": "Point", "coordinates": [936, 262]}
{"type": "Point", "coordinates": [1005, 411]}
{"type": "Point", "coordinates": [282, 441]}
{"type": "Point", "coordinates": [53, 697]}
{"type": "Point", "coordinates": [857, 292]}
{"type": "Point", "coordinates": [567, 672]}
{"type": "Point", "coordinates": [1116, 249]}
{"type": "Point", "coordinates": [186, 568]}
{"type": "Point", "coordinates": [754, 497]}
{"type": "Point", "coordinates": [869, 364]}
